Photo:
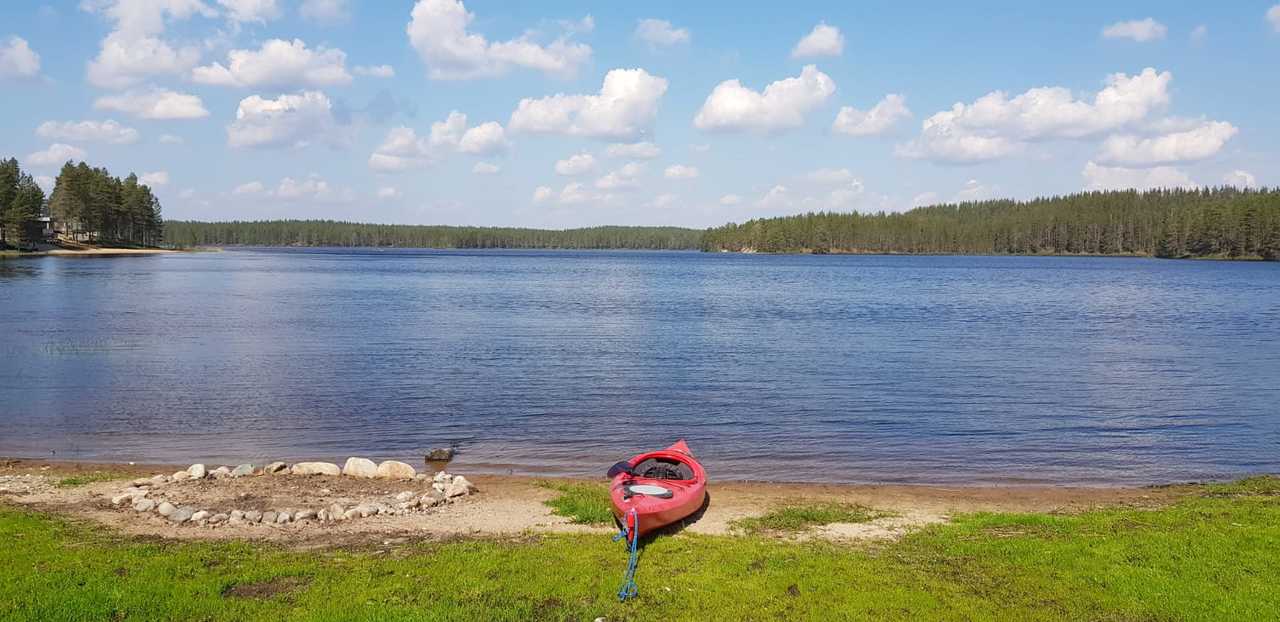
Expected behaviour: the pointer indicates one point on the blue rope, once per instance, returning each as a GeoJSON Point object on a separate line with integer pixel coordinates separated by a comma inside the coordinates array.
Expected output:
{"type": "Point", "coordinates": [629, 588]}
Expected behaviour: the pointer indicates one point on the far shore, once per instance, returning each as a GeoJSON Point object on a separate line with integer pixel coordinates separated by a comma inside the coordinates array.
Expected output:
{"type": "Point", "coordinates": [89, 252]}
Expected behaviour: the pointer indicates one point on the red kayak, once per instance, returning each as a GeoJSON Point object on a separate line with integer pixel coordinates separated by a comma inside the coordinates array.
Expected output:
{"type": "Point", "coordinates": [662, 487]}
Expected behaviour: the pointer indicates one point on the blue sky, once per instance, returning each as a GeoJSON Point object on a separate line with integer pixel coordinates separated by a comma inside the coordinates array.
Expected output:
{"type": "Point", "coordinates": [635, 113]}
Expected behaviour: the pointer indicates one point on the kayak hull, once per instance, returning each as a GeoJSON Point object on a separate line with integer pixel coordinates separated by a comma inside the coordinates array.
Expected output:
{"type": "Point", "coordinates": [656, 512]}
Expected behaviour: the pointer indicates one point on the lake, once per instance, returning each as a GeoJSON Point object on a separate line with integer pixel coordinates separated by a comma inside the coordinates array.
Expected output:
{"type": "Point", "coordinates": [949, 370]}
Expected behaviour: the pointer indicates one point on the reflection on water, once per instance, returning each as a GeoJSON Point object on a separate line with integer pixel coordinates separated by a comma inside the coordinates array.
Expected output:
{"type": "Point", "coordinates": [916, 369]}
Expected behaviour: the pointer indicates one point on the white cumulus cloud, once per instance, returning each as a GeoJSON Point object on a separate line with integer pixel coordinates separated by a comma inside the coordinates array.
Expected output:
{"type": "Point", "coordinates": [486, 168]}
{"type": "Point", "coordinates": [156, 104]}
{"type": "Point", "coordinates": [291, 120]}
{"type": "Point", "coordinates": [88, 131]}
{"type": "Point", "coordinates": [577, 164]}
{"type": "Point", "coordinates": [278, 63]}
{"type": "Point", "coordinates": [18, 60]}
{"type": "Point", "coordinates": [782, 104]}
{"type": "Point", "coordinates": [680, 171]}
{"type": "Point", "coordinates": [325, 11]}
{"type": "Point", "coordinates": [154, 178]}
{"type": "Point", "coordinates": [375, 71]}
{"type": "Point", "coordinates": [403, 149]}
{"type": "Point", "coordinates": [1098, 177]}
{"type": "Point", "coordinates": [1273, 16]}
{"type": "Point", "coordinates": [542, 194]}
{"type": "Point", "coordinates": [250, 188]}
{"type": "Point", "coordinates": [134, 50]}
{"type": "Point", "coordinates": [633, 151]}
{"type": "Point", "coordinates": [313, 188]}
{"type": "Point", "coordinates": [1240, 179]}
{"type": "Point", "coordinates": [823, 40]}
{"type": "Point", "coordinates": [260, 11]}
{"type": "Point", "coordinates": [622, 178]}
{"type": "Point", "coordinates": [624, 108]}
{"type": "Point", "coordinates": [1195, 144]}
{"type": "Point", "coordinates": [996, 125]}
{"type": "Point", "coordinates": [453, 134]}
{"type": "Point", "coordinates": [438, 31]}
{"type": "Point", "coordinates": [658, 33]}
{"type": "Point", "coordinates": [1140, 30]}
{"type": "Point", "coordinates": [55, 155]}
{"type": "Point", "coordinates": [878, 120]}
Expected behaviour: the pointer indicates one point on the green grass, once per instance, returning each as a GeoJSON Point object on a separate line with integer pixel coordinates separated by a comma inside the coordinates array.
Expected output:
{"type": "Point", "coordinates": [88, 478]}
{"type": "Point", "coordinates": [795, 518]}
{"type": "Point", "coordinates": [583, 503]}
{"type": "Point", "coordinates": [1210, 556]}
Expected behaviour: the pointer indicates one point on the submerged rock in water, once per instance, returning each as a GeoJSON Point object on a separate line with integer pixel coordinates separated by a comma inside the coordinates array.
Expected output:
{"type": "Point", "coordinates": [394, 469]}
{"type": "Point", "coordinates": [360, 467]}
{"type": "Point", "coordinates": [316, 468]}
{"type": "Point", "coordinates": [439, 454]}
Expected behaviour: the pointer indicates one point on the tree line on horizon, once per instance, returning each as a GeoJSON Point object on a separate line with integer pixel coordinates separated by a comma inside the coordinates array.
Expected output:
{"type": "Point", "coordinates": [89, 204]}
{"type": "Point", "coordinates": [21, 201]}
{"type": "Point", "coordinates": [309, 233]}
{"type": "Point", "coordinates": [1176, 223]}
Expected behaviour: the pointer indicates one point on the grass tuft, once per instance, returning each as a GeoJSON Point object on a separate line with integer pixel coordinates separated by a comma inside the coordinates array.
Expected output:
{"type": "Point", "coordinates": [88, 478]}
{"type": "Point", "coordinates": [583, 503]}
{"type": "Point", "coordinates": [801, 517]}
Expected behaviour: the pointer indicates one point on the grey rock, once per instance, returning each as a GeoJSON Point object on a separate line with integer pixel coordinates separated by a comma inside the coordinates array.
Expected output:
{"type": "Point", "coordinates": [124, 497]}
{"type": "Point", "coordinates": [315, 468]}
{"type": "Point", "coordinates": [253, 516]}
{"type": "Point", "coordinates": [442, 477]}
{"type": "Point", "coordinates": [160, 479]}
{"type": "Point", "coordinates": [269, 517]}
{"type": "Point", "coordinates": [197, 471]}
{"type": "Point", "coordinates": [142, 481]}
{"type": "Point", "coordinates": [220, 473]}
{"type": "Point", "coordinates": [304, 515]}
{"type": "Point", "coordinates": [276, 467]}
{"type": "Point", "coordinates": [336, 511]}
{"type": "Point", "coordinates": [406, 495]}
{"type": "Point", "coordinates": [201, 515]}
{"type": "Point", "coordinates": [242, 470]}
{"type": "Point", "coordinates": [217, 519]}
{"type": "Point", "coordinates": [179, 476]}
{"type": "Point", "coordinates": [460, 487]}
{"type": "Point", "coordinates": [366, 510]}
{"type": "Point", "coordinates": [283, 518]}
{"type": "Point", "coordinates": [394, 469]}
{"type": "Point", "coordinates": [430, 501]}
{"type": "Point", "coordinates": [144, 505]}
{"type": "Point", "coordinates": [237, 515]}
{"type": "Point", "coordinates": [407, 505]}
{"type": "Point", "coordinates": [350, 514]}
{"type": "Point", "coordinates": [439, 486]}
{"type": "Point", "coordinates": [322, 516]}
{"type": "Point", "coordinates": [165, 508]}
{"type": "Point", "coordinates": [182, 514]}
{"type": "Point", "coordinates": [440, 454]}
{"type": "Point", "coordinates": [360, 467]}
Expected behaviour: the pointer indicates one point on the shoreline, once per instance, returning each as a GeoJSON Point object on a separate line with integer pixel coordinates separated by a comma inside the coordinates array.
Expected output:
{"type": "Point", "coordinates": [90, 252]}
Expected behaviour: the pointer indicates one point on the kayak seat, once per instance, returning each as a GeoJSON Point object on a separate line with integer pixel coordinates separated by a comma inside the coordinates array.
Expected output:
{"type": "Point", "coordinates": [663, 468]}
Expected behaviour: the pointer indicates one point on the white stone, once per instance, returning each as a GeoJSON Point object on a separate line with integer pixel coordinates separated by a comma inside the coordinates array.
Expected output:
{"type": "Point", "coordinates": [304, 515]}
{"type": "Point", "coordinates": [160, 479]}
{"type": "Point", "coordinates": [269, 517]}
{"type": "Point", "coordinates": [406, 495]}
{"type": "Point", "coordinates": [182, 514]}
{"type": "Point", "coordinates": [283, 517]}
{"type": "Point", "coordinates": [180, 475]}
{"type": "Point", "coordinates": [237, 515]}
{"type": "Point", "coordinates": [253, 516]}
{"type": "Point", "coordinates": [360, 467]}
{"type": "Point", "coordinates": [316, 468]}
{"type": "Point", "coordinates": [242, 470]}
{"type": "Point", "coordinates": [201, 515]}
{"type": "Point", "coordinates": [350, 514]}
{"type": "Point", "coordinates": [442, 477]}
{"type": "Point", "coordinates": [144, 505]}
{"type": "Point", "coordinates": [197, 471]}
{"type": "Point", "coordinates": [220, 473]}
{"type": "Point", "coordinates": [165, 508]}
{"type": "Point", "coordinates": [217, 519]}
{"type": "Point", "coordinates": [142, 481]}
{"type": "Point", "coordinates": [394, 469]}
{"type": "Point", "coordinates": [276, 467]}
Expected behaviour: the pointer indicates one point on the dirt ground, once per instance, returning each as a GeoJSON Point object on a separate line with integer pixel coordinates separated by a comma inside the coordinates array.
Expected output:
{"type": "Point", "coordinates": [503, 505]}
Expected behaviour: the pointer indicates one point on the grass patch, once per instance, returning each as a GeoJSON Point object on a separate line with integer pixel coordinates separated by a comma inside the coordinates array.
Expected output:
{"type": "Point", "coordinates": [583, 503]}
{"type": "Point", "coordinates": [1205, 557]}
{"type": "Point", "coordinates": [88, 478]}
{"type": "Point", "coordinates": [802, 517]}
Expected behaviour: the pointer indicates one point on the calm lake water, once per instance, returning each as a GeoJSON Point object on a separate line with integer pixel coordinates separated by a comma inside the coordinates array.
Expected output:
{"type": "Point", "coordinates": [801, 368]}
